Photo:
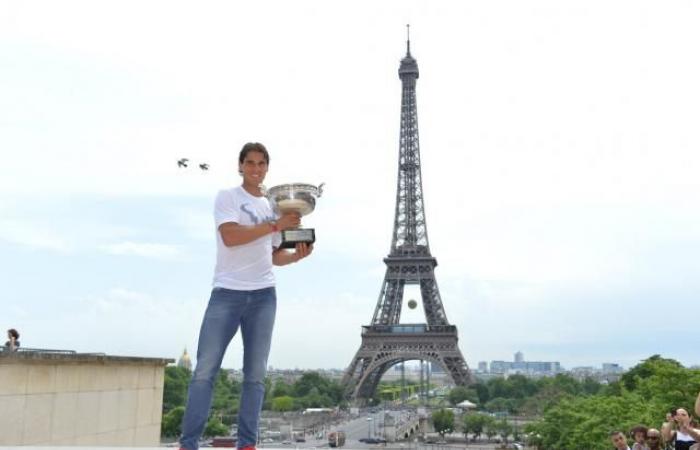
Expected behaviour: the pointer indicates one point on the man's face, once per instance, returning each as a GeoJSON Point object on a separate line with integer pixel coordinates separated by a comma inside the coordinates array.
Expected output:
{"type": "Point", "coordinates": [654, 439]}
{"type": "Point", "coordinates": [619, 441]}
{"type": "Point", "coordinates": [254, 168]}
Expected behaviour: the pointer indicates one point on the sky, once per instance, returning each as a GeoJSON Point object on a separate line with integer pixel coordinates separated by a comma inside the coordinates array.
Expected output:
{"type": "Point", "coordinates": [559, 148]}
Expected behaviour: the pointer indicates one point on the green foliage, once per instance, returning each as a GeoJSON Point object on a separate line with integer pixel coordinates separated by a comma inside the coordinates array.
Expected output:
{"type": "Point", "coordinates": [646, 369]}
{"type": "Point", "coordinates": [225, 400]}
{"type": "Point", "coordinates": [282, 389]}
{"type": "Point", "coordinates": [175, 383]}
{"type": "Point", "coordinates": [443, 421]}
{"type": "Point", "coordinates": [215, 428]}
{"type": "Point", "coordinates": [283, 403]}
{"type": "Point", "coordinates": [475, 423]}
{"type": "Point", "coordinates": [482, 392]}
{"type": "Point", "coordinates": [643, 395]}
{"type": "Point", "coordinates": [171, 423]}
{"type": "Point", "coordinates": [519, 394]}
{"type": "Point", "coordinates": [459, 394]}
{"type": "Point", "coordinates": [315, 391]}
{"type": "Point", "coordinates": [503, 428]}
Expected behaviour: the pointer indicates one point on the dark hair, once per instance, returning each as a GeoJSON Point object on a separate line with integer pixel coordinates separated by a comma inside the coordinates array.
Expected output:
{"type": "Point", "coordinates": [638, 429]}
{"type": "Point", "coordinates": [13, 333]}
{"type": "Point", "coordinates": [253, 147]}
{"type": "Point", "coordinates": [615, 433]}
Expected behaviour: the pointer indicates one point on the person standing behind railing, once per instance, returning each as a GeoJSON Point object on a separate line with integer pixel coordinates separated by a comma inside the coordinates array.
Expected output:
{"type": "Point", "coordinates": [12, 340]}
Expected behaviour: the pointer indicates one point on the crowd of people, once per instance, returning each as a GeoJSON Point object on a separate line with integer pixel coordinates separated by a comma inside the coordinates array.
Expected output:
{"type": "Point", "coordinates": [680, 431]}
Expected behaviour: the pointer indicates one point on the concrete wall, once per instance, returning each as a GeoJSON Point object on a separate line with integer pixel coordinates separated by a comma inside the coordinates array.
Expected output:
{"type": "Point", "coordinates": [80, 399]}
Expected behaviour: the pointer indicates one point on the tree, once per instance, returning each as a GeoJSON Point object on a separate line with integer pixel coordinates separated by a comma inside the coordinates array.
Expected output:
{"type": "Point", "coordinates": [475, 423]}
{"type": "Point", "coordinates": [482, 392]}
{"type": "Point", "coordinates": [458, 394]}
{"type": "Point", "coordinates": [282, 389]}
{"type": "Point", "coordinates": [646, 369]}
{"type": "Point", "coordinates": [226, 397]}
{"type": "Point", "coordinates": [175, 383]}
{"type": "Point", "coordinates": [503, 428]}
{"type": "Point", "coordinates": [215, 428]}
{"type": "Point", "coordinates": [490, 429]}
{"type": "Point", "coordinates": [172, 422]}
{"type": "Point", "coordinates": [443, 421]}
{"type": "Point", "coordinates": [282, 404]}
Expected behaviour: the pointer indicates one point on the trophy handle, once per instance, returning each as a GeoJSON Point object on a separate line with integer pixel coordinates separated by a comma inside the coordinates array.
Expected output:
{"type": "Point", "coordinates": [320, 188]}
{"type": "Point", "coordinates": [263, 189]}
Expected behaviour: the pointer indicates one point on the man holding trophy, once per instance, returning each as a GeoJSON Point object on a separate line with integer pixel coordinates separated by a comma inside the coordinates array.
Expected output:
{"type": "Point", "coordinates": [254, 229]}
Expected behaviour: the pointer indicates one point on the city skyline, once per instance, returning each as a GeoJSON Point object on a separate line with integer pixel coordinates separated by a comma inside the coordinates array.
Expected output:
{"type": "Point", "coordinates": [558, 150]}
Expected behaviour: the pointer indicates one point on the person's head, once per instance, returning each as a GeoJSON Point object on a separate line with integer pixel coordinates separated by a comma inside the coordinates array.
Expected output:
{"type": "Point", "coordinates": [639, 433]}
{"type": "Point", "coordinates": [653, 439]}
{"type": "Point", "coordinates": [253, 161]}
{"type": "Point", "coordinates": [618, 440]}
{"type": "Point", "coordinates": [12, 333]}
{"type": "Point", "coordinates": [681, 416]}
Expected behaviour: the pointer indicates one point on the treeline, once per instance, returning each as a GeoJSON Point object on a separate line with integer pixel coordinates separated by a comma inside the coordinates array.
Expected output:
{"type": "Point", "coordinates": [311, 390]}
{"type": "Point", "coordinates": [521, 395]}
{"type": "Point", "coordinates": [643, 396]}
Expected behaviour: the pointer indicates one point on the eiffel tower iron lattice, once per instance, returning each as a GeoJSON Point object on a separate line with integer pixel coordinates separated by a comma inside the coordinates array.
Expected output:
{"type": "Point", "coordinates": [386, 342]}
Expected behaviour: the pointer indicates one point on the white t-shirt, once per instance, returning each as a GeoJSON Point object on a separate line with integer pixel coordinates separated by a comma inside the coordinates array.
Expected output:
{"type": "Point", "coordinates": [248, 266]}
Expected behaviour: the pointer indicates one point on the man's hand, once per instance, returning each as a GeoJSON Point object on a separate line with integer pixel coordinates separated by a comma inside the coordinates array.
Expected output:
{"type": "Point", "coordinates": [287, 221]}
{"type": "Point", "coordinates": [282, 257]}
{"type": "Point", "coordinates": [303, 250]}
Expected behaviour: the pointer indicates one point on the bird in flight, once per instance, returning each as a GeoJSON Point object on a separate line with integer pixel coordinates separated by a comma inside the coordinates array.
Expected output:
{"type": "Point", "coordinates": [204, 166]}
{"type": "Point", "coordinates": [182, 162]}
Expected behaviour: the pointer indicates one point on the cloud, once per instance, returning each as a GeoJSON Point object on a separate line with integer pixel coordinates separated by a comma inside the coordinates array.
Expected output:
{"type": "Point", "coordinates": [36, 235]}
{"type": "Point", "coordinates": [144, 249]}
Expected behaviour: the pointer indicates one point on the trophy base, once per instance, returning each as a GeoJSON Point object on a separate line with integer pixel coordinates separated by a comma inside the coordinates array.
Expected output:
{"type": "Point", "coordinates": [290, 238]}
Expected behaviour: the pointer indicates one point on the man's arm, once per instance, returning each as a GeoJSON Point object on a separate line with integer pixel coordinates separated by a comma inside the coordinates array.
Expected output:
{"type": "Point", "coordinates": [281, 257]}
{"type": "Point", "coordinates": [235, 234]}
{"type": "Point", "coordinates": [697, 405]}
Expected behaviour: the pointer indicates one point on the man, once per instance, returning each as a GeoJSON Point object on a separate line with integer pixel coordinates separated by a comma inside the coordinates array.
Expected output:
{"type": "Point", "coordinates": [243, 294]}
{"type": "Point", "coordinates": [618, 440]}
{"type": "Point", "coordinates": [653, 439]}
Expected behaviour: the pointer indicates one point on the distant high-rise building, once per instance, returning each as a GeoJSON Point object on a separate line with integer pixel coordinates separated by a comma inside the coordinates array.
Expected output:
{"type": "Point", "coordinates": [519, 357]}
{"type": "Point", "coordinates": [612, 368]}
{"type": "Point", "coordinates": [483, 366]}
{"type": "Point", "coordinates": [185, 361]}
{"type": "Point", "coordinates": [525, 367]}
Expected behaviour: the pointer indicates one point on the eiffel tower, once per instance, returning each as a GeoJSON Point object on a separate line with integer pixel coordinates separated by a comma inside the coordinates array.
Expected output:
{"type": "Point", "coordinates": [386, 341]}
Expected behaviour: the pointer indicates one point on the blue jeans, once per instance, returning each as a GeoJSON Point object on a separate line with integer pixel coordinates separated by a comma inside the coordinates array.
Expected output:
{"type": "Point", "coordinates": [254, 311]}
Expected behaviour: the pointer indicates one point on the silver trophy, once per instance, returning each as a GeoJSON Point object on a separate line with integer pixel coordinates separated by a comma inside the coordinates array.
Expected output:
{"type": "Point", "coordinates": [299, 198]}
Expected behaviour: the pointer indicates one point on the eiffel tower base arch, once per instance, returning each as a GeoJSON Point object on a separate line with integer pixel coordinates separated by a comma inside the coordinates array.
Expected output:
{"type": "Point", "coordinates": [384, 346]}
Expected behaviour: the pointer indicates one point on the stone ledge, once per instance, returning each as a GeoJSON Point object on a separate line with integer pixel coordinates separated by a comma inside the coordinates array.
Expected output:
{"type": "Point", "coordinates": [57, 357]}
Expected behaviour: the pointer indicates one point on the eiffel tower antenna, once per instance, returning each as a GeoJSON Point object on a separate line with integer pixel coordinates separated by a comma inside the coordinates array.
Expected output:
{"type": "Point", "coordinates": [408, 39]}
{"type": "Point", "coordinates": [386, 341]}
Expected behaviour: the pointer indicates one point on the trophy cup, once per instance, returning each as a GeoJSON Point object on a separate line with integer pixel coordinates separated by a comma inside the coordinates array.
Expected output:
{"type": "Point", "coordinates": [299, 198]}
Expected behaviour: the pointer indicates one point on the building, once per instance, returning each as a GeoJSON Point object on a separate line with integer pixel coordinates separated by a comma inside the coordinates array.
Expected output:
{"type": "Point", "coordinates": [519, 357]}
{"type": "Point", "coordinates": [520, 366]}
{"type": "Point", "coordinates": [185, 361]}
